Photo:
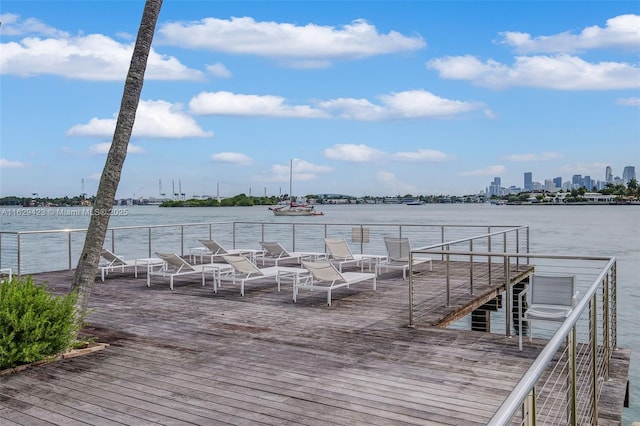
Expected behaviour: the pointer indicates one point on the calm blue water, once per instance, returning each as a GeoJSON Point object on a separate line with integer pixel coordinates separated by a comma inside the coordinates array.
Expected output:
{"type": "Point", "coordinates": [571, 230]}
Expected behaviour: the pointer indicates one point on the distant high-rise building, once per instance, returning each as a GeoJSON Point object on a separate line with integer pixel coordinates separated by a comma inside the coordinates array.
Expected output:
{"type": "Point", "coordinates": [628, 173]}
{"type": "Point", "coordinates": [587, 183]}
{"type": "Point", "coordinates": [495, 188]}
{"type": "Point", "coordinates": [558, 182]}
{"type": "Point", "coordinates": [608, 175]}
{"type": "Point", "coordinates": [576, 181]}
{"type": "Point", "coordinates": [549, 185]}
{"type": "Point", "coordinates": [528, 181]}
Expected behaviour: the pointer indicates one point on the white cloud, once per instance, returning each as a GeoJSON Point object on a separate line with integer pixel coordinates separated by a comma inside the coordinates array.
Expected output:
{"type": "Point", "coordinates": [561, 72]}
{"type": "Point", "coordinates": [423, 104]}
{"type": "Point", "coordinates": [218, 70]}
{"type": "Point", "coordinates": [302, 171]}
{"type": "Point", "coordinates": [232, 158]}
{"type": "Point", "coordinates": [543, 156]}
{"type": "Point", "coordinates": [495, 170]}
{"type": "Point", "coordinates": [423, 155]}
{"type": "Point", "coordinates": [392, 185]}
{"type": "Point", "coordinates": [12, 25]}
{"type": "Point", "coordinates": [628, 101]}
{"type": "Point", "coordinates": [313, 45]}
{"type": "Point", "coordinates": [620, 32]}
{"type": "Point", "coordinates": [85, 57]}
{"type": "Point", "coordinates": [227, 103]}
{"type": "Point", "coordinates": [103, 148]}
{"type": "Point", "coordinates": [585, 169]}
{"type": "Point", "coordinates": [157, 119]}
{"type": "Point", "coordinates": [365, 154]}
{"type": "Point", "coordinates": [353, 153]}
{"type": "Point", "coordinates": [94, 176]}
{"type": "Point", "coordinates": [412, 104]}
{"type": "Point", "coordinates": [7, 164]}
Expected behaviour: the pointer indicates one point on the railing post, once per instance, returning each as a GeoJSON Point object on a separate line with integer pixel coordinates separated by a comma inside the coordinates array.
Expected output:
{"type": "Point", "coordinates": [181, 240]}
{"type": "Point", "coordinates": [614, 306]}
{"type": "Point", "coordinates": [504, 242]}
{"type": "Point", "coordinates": [606, 323]}
{"type": "Point", "coordinates": [508, 296]}
{"type": "Point", "coordinates": [149, 240]}
{"type": "Point", "coordinates": [518, 247]}
{"type": "Point", "coordinates": [293, 236]}
{"type": "Point", "coordinates": [448, 279]}
{"type": "Point", "coordinates": [572, 390]}
{"type": "Point", "coordinates": [410, 289]}
{"type": "Point", "coordinates": [489, 250]}
{"type": "Point", "coordinates": [471, 265]}
{"type": "Point", "coordinates": [113, 240]}
{"type": "Point", "coordinates": [69, 247]}
{"type": "Point", "coordinates": [593, 336]}
{"type": "Point", "coordinates": [529, 409]}
{"type": "Point", "coordinates": [233, 234]}
{"type": "Point", "coordinates": [19, 255]}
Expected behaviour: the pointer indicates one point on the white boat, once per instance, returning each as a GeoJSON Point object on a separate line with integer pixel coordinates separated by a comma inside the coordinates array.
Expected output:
{"type": "Point", "coordinates": [293, 209]}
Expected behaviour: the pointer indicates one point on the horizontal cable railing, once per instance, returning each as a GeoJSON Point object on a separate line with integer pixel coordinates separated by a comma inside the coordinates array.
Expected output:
{"type": "Point", "coordinates": [48, 250]}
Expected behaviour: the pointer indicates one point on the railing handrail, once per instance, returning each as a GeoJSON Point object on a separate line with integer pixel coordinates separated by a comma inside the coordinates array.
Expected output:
{"type": "Point", "coordinates": [475, 237]}
{"type": "Point", "coordinates": [117, 228]}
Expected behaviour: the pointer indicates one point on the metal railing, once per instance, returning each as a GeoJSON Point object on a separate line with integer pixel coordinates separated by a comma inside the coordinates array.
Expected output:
{"type": "Point", "coordinates": [48, 250]}
{"type": "Point", "coordinates": [565, 382]}
{"type": "Point", "coordinates": [562, 386]}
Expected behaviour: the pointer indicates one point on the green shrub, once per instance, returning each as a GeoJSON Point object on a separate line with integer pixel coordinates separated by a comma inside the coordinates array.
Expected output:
{"type": "Point", "coordinates": [34, 324]}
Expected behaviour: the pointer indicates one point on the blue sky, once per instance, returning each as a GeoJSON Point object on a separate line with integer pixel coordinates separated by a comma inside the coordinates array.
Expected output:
{"type": "Point", "coordinates": [366, 97]}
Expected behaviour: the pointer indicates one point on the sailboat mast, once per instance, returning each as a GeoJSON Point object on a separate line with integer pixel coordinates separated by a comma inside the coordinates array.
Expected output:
{"type": "Point", "coordinates": [291, 182]}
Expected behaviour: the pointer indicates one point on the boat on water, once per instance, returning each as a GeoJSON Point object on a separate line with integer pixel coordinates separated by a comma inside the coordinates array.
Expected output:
{"type": "Point", "coordinates": [293, 209]}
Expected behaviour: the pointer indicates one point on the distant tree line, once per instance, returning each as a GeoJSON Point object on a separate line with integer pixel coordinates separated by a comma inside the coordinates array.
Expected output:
{"type": "Point", "coordinates": [620, 192]}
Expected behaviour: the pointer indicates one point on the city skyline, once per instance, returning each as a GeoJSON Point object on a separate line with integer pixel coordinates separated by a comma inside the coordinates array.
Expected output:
{"type": "Point", "coordinates": [366, 98]}
{"type": "Point", "coordinates": [556, 183]}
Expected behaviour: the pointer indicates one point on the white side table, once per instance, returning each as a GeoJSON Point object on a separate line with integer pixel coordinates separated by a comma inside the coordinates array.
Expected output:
{"type": "Point", "coordinates": [198, 251]}
{"type": "Point", "coordinates": [6, 271]}
{"type": "Point", "coordinates": [376, 259]}
{"type": "Point", "coordinates": [150, 263]}
{"type": "Point", "coordinates": [217, 271]}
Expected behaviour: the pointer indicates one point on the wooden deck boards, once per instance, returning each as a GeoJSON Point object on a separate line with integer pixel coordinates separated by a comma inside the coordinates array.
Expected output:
{"type": "Point", "coordinates": [190, 356]}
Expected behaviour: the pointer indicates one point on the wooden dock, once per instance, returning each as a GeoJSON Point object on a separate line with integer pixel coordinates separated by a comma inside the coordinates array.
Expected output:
{"type": "Point", "coordinates": [190, 356]}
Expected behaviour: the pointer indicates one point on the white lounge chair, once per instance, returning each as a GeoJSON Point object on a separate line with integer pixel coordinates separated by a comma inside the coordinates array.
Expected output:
{"type": "Point", "coordinates": [216, 250]}
{"type": "Point", "coordinates": [325, 277]}
{"type": "Point", "coordinates": [111, 262]}
{"type": "Point", "coordinates": [245, 270]}
{"type": "Point", "coordinates": [398, 251]}
{"type": "Point", "coordinates": [176, 266]}
{"type": "Point", "coordinates": [273, 251]}
{"type": "Point", "coordinates": [340, 254]}
{"type": "Point", "coordinates": [549, 298]}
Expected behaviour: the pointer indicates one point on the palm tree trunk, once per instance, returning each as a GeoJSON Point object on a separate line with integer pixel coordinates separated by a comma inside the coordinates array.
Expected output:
{"type": "Point", "coordinates": [88, 263]}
